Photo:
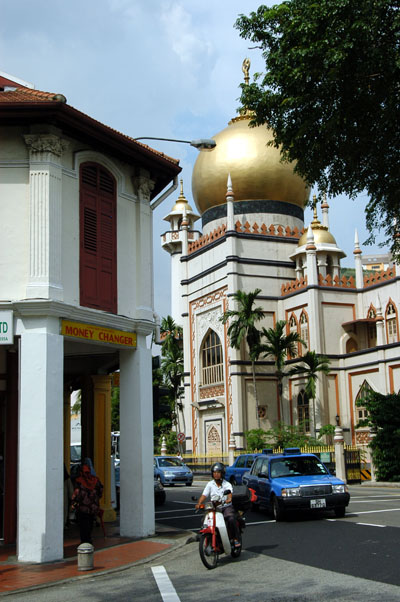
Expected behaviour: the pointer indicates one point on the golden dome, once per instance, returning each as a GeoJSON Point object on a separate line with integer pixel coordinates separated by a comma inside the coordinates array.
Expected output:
{"type": "Point", "coordinates": [181, 202]}
{"type": "Point", "coordinates": [321, 233]}
{"type": "Point", "coordinates": [255, 168]}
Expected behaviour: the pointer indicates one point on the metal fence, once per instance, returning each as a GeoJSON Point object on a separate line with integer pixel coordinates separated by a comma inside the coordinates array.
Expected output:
{"type": "Point", "coordinates": [200, 464]}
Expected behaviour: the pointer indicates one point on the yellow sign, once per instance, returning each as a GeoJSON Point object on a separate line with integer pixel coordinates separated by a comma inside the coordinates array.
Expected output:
{"type": "Point", "coordinates": [89, 332]}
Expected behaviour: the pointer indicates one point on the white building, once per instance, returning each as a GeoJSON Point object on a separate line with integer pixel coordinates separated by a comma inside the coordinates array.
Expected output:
{"type": "Point", "coordinates": [253, 237]}
{"type": "Point", "coordinates": [76, 303]}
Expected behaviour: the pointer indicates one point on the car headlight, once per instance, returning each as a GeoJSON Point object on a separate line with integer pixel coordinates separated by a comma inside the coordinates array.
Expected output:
{"type": "Point", "coordinates": [291, 492]}
{"type": "Point", "coordinates": [168, 473]}
{"type": "Point", "coordinates": [339, 488]}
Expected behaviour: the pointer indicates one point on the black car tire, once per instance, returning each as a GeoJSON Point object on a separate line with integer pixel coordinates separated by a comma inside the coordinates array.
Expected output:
{"type": "Point", "coordinates": [233, 481]}
{"type": "Point", "coordinates": [188, 484]}
{"type": "Point", "coordinates": [340, 511]}
{"type": "Point", "coordinates": [276, 510]}
{"type": "Point", "coordinates": [208, 557]}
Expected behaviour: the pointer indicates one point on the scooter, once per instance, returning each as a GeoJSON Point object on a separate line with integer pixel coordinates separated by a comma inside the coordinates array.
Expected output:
{"type": "Point", "coordinates": [214, 539]}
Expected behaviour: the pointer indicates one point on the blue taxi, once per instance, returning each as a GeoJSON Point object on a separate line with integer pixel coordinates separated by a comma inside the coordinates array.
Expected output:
{"type": "Point", "coordinates": [241, 465]}
{"type": "Point", "coordinates": [296, 481]}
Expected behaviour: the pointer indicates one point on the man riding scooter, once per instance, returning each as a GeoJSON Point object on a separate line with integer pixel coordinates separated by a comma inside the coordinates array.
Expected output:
{"type": "Point", "coordinates": [223, 489]}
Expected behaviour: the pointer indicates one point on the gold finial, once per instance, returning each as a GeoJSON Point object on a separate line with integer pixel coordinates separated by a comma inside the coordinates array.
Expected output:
{"type": "Point", "coordinates": [314, 202]}
{"type": "Point", "coordinates": [246, 68]}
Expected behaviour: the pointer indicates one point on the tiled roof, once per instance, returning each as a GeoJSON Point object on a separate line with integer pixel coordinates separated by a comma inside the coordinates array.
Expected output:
{"type": "Point", "coordinates": [18, 95]}
{"type": "Point", "coordinates": [22, 94]}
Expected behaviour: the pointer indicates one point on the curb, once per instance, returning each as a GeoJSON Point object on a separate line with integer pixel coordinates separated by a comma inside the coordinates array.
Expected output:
{"type": "Point", "coordinates": [186, 538]}
{"type": "Point", "coordinates": [394, 485]}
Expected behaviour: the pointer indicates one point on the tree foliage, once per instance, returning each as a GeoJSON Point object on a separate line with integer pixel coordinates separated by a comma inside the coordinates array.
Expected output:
{"type": "Point", "coordinates": [384, 420]}
{"type": "Point", "coordinates": [242, 327]}
{"type": "Point", "coordinates": [172, 366]}
{"type": "Point", "coordinates": [279, 345]}
{"type": "Point", "coordinates": [330, 92]}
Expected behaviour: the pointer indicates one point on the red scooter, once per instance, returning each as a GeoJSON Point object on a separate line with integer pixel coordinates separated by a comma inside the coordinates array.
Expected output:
{"type": "Point", "coordinates": [214, 539]}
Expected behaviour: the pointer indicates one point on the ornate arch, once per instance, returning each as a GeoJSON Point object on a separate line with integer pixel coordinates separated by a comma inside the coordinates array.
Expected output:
{"type": "Point", "coordinates": [392, 322]}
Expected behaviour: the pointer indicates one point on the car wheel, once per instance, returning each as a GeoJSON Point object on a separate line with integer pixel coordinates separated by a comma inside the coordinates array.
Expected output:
{"type": "Point", "coordinates": [340, 511]}
{"type": "Point", "coordinates": [277, 511]}
{"type": "Point", "coordinates": [233, 481]}
{"type": "Point", "coordinates": [188, 484]}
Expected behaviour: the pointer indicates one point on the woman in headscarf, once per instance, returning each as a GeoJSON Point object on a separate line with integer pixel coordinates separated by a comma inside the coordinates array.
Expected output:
{"type": "Point", "coordinates": [86, 501]}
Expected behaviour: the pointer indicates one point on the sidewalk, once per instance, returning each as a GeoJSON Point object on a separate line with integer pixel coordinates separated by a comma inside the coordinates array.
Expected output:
{"type": "Point", "coordinates": [112, 553]}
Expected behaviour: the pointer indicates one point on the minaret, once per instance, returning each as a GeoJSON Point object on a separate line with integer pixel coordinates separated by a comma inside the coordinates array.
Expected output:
{"type": "Point", "coordinates": [325, 212]}
{"type": "Point", "coordinates": [175, 242]}
{"type": "Point", "coordinates": [358, 262]}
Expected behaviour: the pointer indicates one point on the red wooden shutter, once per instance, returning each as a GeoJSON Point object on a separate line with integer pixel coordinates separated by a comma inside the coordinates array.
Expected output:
{"type": "Point", "coordinates": [98, 259]}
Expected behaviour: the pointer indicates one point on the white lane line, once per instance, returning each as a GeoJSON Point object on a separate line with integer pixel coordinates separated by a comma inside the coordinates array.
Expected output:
{"type": "Point", "coordinates": [175, 510]}
{"type": "Point", "coordinates": [370, 525]}
{"type": "Point", "coordinates": [393, 499]}
{"type": "Point", "coordinates": [176, 517]}
{"type": "Point", "coordinates": [164, 584]}
{"type": "Point", "coordinates": [372, 511]}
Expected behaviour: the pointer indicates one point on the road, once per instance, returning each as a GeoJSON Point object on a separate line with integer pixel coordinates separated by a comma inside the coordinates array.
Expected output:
{"type": "Point", "coordinates": [304, 559]}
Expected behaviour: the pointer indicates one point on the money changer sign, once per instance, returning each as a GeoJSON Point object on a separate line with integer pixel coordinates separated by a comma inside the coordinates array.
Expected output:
{"type": "Point", "coordinates": [98, 334]}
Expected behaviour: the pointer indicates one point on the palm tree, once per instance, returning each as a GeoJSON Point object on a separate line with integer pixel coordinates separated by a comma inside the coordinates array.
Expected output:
{"type": "Point", "coordinates": [243, 327]}
{"type": "Point", "coordinates": [278, 346]}
{"type": "Point", "coordinates": [172, 366]}
{"type": "Point", "coordinates": [171, 333]}
{"type": "Point", "coordinates": [313, 364]}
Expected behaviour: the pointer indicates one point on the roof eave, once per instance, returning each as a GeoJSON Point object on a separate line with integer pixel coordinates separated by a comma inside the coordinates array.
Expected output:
{"type": "Point", "coordinates": [81, 126]}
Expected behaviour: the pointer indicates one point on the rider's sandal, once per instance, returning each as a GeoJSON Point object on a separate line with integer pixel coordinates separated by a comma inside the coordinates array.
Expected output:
{"type": "Point", "coordinates": [236, 544]}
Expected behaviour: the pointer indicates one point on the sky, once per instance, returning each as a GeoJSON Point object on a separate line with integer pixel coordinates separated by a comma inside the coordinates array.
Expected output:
{"type": "Point", "coordinates": [162, 68]}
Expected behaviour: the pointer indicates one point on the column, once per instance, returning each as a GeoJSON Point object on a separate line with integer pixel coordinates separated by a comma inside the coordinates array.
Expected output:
{"type": "Point", "coordinates": [40, 452]}
{"type": "Point", "coordinates": [45, 188]}
{"type": "Point", "coordinates": [136, 419]}
{"type": "Point", "coordinates": [102, 440]}
{"type": "Point", "coordinates": [67, 429]}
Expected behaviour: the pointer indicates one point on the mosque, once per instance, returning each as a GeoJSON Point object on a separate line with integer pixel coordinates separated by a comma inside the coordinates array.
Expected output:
{"type": "Point", "coordinates": [253, 236]}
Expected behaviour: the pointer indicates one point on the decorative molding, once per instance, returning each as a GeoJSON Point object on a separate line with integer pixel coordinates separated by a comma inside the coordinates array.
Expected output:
{"type": "Point", "coordinates": [143, 187]}
{"type": "Point", "coordinates": [215, 391]}
{"type": "Point", "coordinates": [41, 145]}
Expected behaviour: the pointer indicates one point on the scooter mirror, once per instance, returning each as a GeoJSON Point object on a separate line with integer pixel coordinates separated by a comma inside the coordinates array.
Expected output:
{"type": "Point", "coordinates": [194, 498]}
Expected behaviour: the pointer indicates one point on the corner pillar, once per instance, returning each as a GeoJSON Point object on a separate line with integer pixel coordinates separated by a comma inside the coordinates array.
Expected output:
{"type": "Point", "coordinates": [136, 442]}
{"type": "Point", "coordinates": [102, 440]}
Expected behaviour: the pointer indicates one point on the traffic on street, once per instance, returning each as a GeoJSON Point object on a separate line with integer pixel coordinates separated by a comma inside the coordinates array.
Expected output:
{"type": "Point", "coordinates": [314, 557]}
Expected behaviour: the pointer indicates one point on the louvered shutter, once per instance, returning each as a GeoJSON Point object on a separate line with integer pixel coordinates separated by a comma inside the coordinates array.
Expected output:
{"type": "Point", "coordinates": [98, 265]}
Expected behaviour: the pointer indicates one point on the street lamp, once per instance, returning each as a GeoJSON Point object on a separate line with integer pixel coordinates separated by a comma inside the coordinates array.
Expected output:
{"type": "Point", "coordinates": [202, 144]}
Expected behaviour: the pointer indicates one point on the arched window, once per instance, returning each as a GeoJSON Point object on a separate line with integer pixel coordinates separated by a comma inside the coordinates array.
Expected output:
{"type": "Point", "coordinates": [360, 412]}
{"type": "Point", "coordinates": [304, 331]}
{"type": "Point", "coordinates": [391, 323]}
{"type": "Point", "coordinates": [303, 411]}
{"type": "Point", "coordinates": [98, 239]}
{"type": "Point", "coordinates": [212, 368]}
{"type": "Point", "coordinates": [293, 327]}
{"type": "Point", "coordinates": [351, 345]}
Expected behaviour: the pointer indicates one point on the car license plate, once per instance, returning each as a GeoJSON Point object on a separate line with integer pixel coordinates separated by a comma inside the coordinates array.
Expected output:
{"type": "Point", "coordinates": [318, 503]}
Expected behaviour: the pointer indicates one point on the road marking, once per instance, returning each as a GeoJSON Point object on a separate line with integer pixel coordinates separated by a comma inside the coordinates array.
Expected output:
{"type": "Point", "coordinates": [174, 510]}
{"type": "Point", "coordinates": [370, 525]}
{"type": "Point", "coordinates": [388, 499]}
{"type": "Point", "coordinates": [164, 584]}
{"type": "Point", "coordinates": [176, 517]}
{"type": "Point", "coordinates": [372, 511]}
